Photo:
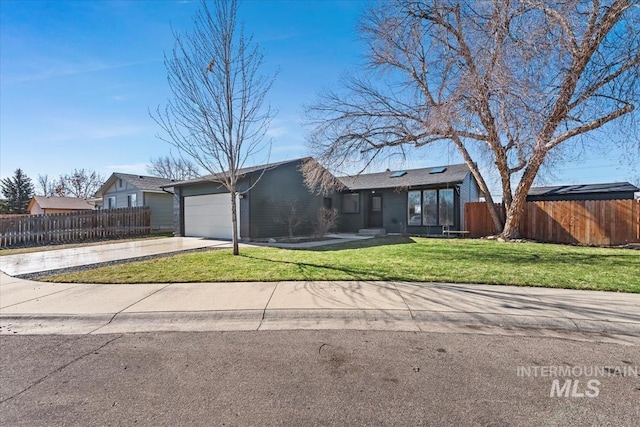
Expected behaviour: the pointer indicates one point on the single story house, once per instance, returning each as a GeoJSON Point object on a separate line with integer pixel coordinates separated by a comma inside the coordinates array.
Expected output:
{"type": "Point", "coordinates": [418, 201]}
{"type": "Point", "coordinates": [40, 205]}
{"type": "Point", "coordinates": [203, 206]}
{"type": "Point", "coordinates": [423, 201]}
{"type": "Point", "coordinates": [124, 190]}
{"type": "Point", "coordinates": [607, 191]}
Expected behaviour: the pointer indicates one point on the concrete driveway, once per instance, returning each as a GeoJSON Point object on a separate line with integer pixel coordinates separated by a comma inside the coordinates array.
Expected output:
{"type": "Point", "coordinates": [37, 262]}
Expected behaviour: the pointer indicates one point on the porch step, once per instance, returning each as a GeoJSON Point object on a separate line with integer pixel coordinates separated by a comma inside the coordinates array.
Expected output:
{"type": "Point", "coordinates": [372, 232]}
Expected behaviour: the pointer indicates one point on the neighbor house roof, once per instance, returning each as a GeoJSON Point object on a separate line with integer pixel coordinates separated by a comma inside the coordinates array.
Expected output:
{"type": "Point", "coordinates": [149, 184]}
{"type": "Point", "coordinates": [241, 172]}
{"type": "Point", "coordinates": [582, 189]}
{"type": "Point", "coordinates": [407, 178]}
{"type": "Point", "coordinates": [74, 203]}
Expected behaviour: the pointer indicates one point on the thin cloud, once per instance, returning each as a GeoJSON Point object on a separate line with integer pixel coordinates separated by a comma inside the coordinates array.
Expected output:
{"type": "Point", "coordinates": [69, 70]}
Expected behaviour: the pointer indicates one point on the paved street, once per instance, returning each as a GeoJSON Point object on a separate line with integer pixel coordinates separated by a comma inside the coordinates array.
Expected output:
{"type": "Point", "coordinates": [311, 378]}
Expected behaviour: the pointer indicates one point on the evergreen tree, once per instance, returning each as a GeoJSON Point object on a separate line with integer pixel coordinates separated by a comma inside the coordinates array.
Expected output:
{"type": "Point", "coordinates": [17, 191]}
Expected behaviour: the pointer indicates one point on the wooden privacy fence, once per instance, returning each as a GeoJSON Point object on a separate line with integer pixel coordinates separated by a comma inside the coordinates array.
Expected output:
{"type": "Point", "coordinates": [74, 226]}
{"type": "Point", "coordinates": [586, 222]}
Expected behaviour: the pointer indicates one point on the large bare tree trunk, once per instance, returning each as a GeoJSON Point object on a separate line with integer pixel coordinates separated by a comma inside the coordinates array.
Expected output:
{"type": "Point", "coordinates": [518, 203]}
{"type": "Point", "coordinates": [514, 214]}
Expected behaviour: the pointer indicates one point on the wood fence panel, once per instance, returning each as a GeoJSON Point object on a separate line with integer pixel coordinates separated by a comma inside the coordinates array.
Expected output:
{"type": "Point", "coordinates": [74, 226]}
{"type": "Point", "coordinates": [587, 222]}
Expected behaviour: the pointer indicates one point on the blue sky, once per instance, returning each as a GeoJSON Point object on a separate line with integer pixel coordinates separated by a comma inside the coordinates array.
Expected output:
{"type": "Point", "coordinates": [77, 80]}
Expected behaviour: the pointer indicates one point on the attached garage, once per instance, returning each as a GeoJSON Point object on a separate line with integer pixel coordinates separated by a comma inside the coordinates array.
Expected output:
{"type": "Point", "coordinates": [202, 206]}
{"type": "Point", "coordinates": [208, 216]}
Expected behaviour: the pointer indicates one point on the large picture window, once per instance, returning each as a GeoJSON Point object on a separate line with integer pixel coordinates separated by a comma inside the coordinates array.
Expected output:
{"type": "Point", "coordinates": [431, 207]}
{"type": "Point", "coordinates": [430, 203]}
{"type": "Point", "coordinates": [446, 207]}
{"type": "Point", "coordinates": [415, 208]}
{"type": "Point", "coordinates": [351, 203]}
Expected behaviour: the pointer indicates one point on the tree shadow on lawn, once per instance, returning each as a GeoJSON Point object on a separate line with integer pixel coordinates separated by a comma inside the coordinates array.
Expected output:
{"type": "Point", "coordinates": [303, 267]}
{"type": "Point", "coordinates": [361, 244]}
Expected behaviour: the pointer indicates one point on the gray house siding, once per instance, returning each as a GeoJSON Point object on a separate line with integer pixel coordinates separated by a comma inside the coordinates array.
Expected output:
{"type": "Point", "coordinates": [469, 192]}
{"type": "Point", "coordinates": [120, 190]}
{"type": "Point", "coordinates": [161, 210]}
{"type": "Point", "coordinates": [178, 212]}
{"type": "Point", "coordinates": [272, 197]}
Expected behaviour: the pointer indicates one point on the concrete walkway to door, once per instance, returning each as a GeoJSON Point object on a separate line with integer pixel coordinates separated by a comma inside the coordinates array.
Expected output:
{"type": "Point", "coordinates": [57, 259]}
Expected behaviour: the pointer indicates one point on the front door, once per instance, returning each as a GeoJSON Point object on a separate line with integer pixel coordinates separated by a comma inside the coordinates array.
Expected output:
{"type": "Point", "coordinates": [375, 211]}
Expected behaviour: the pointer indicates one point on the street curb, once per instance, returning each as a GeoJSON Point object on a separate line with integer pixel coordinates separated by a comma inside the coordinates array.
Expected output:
{"type": "Point", "coordinates": [294, 319]}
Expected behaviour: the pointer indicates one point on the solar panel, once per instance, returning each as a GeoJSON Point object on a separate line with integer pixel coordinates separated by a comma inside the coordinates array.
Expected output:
{"type": "Point", "coordinates": [437, 170]}
{"type": "Point", "coordinates": [398, 174]}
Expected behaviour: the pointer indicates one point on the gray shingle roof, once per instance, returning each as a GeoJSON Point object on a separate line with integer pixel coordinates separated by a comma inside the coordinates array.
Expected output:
{"type": "Point", "coordinates": [46, 202]}
{"type": "Point", "coordinates": [413, 178]}
{"type": "Point", "coordinates": [583, 189]}
{"type": "Point", "coordinates": [241, 172]}
{"type": "Point", "coordinates": [150, 184]}
{"type": "Point", "coordinates": [145, 183]}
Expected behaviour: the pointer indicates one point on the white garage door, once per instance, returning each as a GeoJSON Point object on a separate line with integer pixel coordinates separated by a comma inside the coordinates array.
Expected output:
{"type": "Point", "coordinates": [208, 216]}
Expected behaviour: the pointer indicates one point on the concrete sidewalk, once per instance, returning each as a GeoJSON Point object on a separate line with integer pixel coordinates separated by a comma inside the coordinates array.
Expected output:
{"type": "Point", "coordinates": [28, 307]}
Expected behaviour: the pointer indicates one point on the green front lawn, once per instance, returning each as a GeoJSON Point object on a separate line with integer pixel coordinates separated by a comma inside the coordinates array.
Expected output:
{"type": "Point", "coordinates": [393, 258]}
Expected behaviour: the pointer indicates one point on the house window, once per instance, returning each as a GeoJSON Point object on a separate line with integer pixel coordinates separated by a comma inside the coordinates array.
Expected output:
{"type": "Point", "coordinates": [415, 208]}
{"type": "Point", "coordinates": [430, 204]}
{"type": "Point", "coordinates": [111, 202]}
{"type": "Point", "coordinates": [119, 183]}
{"type": "Point", "coordinates": [351, 203]}
{"type": "Point", "coordinates": [431, 207]}
{"type": "Point", "coordinates": [328, 203]}
{"type": "Point", "coordinates": [131, 200]}
{"type": "Point", "coordinates": [446, 207]}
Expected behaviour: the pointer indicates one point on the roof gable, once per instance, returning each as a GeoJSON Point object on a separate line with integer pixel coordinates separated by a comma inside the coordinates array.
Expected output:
{"type": "Point", "coordinates": [150, 184]}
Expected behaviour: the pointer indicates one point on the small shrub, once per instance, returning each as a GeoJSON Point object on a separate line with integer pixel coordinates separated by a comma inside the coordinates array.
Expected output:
{"type": "Point", "coordinates": [325, 221]}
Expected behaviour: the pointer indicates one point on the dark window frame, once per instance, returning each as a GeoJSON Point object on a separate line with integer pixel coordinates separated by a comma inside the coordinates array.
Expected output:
{"type": "Point", "coordinates": [422, 208]}
{"type": "Point", "coordinates": [353, 196]}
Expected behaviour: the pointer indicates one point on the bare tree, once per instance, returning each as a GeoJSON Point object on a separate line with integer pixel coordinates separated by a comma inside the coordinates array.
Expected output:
{"type": "Point", "coordinates": [81, 183]}
{"type": "Point", "coordinates": [326, 219]}
{"type": "Point", "coordinates": [47, 187]}
{"type": "Point", "coordinates": [217, 115]}
{"type": "Point", "coordinates": [170, 167]}
{"type": "Point", "coordinates": [510, 82]}
{"type": "Point", "coordinates": [291, 213]}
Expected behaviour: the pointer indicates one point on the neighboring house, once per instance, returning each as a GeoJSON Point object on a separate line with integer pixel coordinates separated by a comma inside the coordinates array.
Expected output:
{"type": "Point", "coordinates": [203, 206]}
{"type": "Point", "coordinates": [419, 201]}
{"type": "Point", "coordinates": [40, 205]}
{"type": "Point", "coordinates": [423, 201]}
{"type": "Point", "coordinates": [124, 190]}
{"type": "Point", "coordinates": [607, 191]}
